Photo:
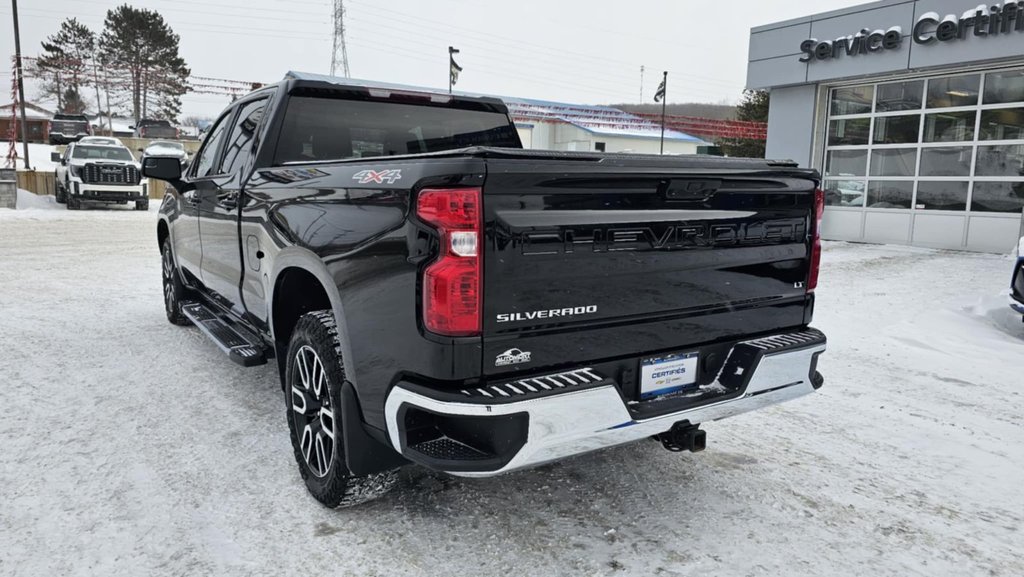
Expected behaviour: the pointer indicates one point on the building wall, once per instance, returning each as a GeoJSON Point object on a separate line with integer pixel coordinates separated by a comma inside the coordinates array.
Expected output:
{"type": "Point", "coordinates": [562, 136]}
{"type": "Point", "coordinates": [773, 57]}
{"type": "Point", "coordinates": [799, 113]}
{"type": "Point", "coordinates": [37, 129]}
{"type": "Point", "coordinates": [791, 120]}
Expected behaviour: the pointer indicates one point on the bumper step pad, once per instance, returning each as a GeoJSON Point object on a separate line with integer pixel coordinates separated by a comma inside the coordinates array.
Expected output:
{"type": "Point", "coordinates": [238, 344]}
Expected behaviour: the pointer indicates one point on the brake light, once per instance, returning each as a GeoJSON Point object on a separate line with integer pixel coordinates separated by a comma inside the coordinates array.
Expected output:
{"type": "Point", "coordinates": [452, 284]}
{"type": "Point", "coordinates": [819, 211]}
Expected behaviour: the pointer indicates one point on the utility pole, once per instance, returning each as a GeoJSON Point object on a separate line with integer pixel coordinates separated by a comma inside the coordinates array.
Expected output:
{"type": "Point", "coordinates": [96, 85]}
{"type": "Point", "coordinates": [641, 84]}
{"type": "Point", "coordinates": [338, 44]}
{"type": "Point", "coordinates": [21, 80]}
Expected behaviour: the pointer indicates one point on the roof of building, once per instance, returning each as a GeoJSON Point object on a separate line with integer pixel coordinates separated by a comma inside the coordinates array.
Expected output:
{"type": "Point", "coordinates": [601, 120]}
{"type": "Point", "coordinates": [32, 111]}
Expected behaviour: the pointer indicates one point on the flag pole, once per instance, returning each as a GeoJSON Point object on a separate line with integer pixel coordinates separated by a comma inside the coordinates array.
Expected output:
{"type": "Point", "coordinates": [450, 50]}
{"type": "Point", "coordinates": [664, 99]}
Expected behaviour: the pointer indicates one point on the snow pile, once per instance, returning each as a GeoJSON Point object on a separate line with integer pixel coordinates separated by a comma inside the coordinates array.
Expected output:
{"type": "Point", "coordinates": [31, 201]}
{"type": "Point", "coordinates": [33, 206]}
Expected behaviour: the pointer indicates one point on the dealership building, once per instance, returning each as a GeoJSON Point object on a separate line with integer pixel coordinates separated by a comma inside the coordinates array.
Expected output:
{"type": "Point", "coordinates": [913, 111]}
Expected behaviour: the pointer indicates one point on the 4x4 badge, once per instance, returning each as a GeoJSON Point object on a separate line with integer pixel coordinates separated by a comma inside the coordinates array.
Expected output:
{"type": "Point", "coordinates": [512, 357]}
{"type": "Point", "coordinates": [378, 177]}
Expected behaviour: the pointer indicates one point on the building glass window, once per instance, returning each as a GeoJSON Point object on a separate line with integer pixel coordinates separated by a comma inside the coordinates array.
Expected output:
{"type": "Point", "coordinates": [854, 100]}
{"type": "Point", "coordinates": [949, 126]}
{"type": "Point", "coordinates": [1002, 124]}
{"type": "Point", "coordinates": [947, 143]}
{"type": "Point", "coordinates": [896, 129]}
{"type": "Point", "coordinates": [846, 163]}
{"type": "Point", "coordinates": [941, 195]}
{"type": "Point", "coordinates": [953, 91]}
{"type": "Point", "coordinates": [844, 192]}
{"type": "Point", "coordinates": [1004, 87]}
{"type": "Point", "coordinates": [890, 193]}
{"type": "Point", "coordinates": [899, 96]}
{"type": "Point", "coordinates": [847, 131]}
{"type": "Point", "coordinates": [1000, 160]}
{"type": "Point", "coordinates": [997, 197]}
{"type": "Point", "coordinates": [946, 161]}
{"type": "Point", "coordinates": [893, 161]}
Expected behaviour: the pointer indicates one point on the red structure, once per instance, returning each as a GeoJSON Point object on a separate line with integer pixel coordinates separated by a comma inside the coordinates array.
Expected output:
{"type": "Point", "coordinates": [712, 129]}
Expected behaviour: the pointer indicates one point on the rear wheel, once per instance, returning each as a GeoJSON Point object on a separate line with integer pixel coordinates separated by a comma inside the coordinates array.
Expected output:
{"type": "Point", "coordinates": [313, 379]}
{"type": "Point", "coordinates": [60, 193]}
{"type": "Point", "coordinates": [174, 289]}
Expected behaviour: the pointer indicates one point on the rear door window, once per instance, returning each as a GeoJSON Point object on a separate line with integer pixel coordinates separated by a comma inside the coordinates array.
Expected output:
{"type": "Point", "coordinates": [333, 129]}
{"type": "Point", "coordinates": [238, 147]}
{"type": "Point", "coordinates": [206, 162]}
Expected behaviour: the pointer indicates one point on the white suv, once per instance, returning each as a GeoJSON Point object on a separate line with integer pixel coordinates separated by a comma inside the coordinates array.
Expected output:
{"type": "Point", "coordinates": [98, 169]}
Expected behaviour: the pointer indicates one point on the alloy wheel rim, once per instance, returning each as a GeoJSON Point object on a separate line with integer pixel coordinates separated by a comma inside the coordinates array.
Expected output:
{"type": "Point", "coordinates": [168, 284]}
{"type": "Point", "coordinates": [314, 414]}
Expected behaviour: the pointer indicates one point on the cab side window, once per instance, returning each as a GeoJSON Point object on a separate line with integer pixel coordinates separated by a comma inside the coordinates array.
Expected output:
{"type": "Point", "coordinates": [206, 163]}
{"type": "Point", "coordinates": [238, 148]}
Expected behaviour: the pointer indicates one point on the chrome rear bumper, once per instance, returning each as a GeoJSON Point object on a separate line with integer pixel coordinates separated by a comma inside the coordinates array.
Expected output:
{"type": "Point", "coordinates": [578, 421]}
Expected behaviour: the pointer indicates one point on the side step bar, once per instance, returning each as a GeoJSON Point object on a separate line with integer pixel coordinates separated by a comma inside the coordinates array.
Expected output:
{"type": "Point", "coordinates": [238, 344]}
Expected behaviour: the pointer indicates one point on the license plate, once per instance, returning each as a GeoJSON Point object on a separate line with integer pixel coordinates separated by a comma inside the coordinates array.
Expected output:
{"type": "Point", "coordinates": [667, 374]}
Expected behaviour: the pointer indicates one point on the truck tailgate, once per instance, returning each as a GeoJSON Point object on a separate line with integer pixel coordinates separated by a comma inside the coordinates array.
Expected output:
{"type": "Point", "coordinates": [601, 259]}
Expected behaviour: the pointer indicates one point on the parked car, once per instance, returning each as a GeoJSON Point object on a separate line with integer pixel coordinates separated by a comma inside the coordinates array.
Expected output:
{"type": "Point", "coordinates": [104, 140]}
{"type": "Point", "coordinates": [65, 128]}
{"type": "Point", "coordinates": [165, 148]}
{"type": "Point", "coordinates": [432, 293]}
{"type": "Point", "coordinates": [1017, 281]}
{"type": "Point", "coordinates": [100, 170]}
{"type": "Point", "coordinates": [150, 128]}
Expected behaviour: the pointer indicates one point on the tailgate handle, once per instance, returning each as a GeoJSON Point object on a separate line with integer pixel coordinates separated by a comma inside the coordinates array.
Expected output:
{"type": "Point", "coordinates": [690, 189]}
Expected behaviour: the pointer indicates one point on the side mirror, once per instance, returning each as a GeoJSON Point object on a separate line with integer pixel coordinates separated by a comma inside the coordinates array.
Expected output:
{"type": "Point", "coordinates": [54, 157]}
{"type": "Point", "coordinates": [131, 127]}
{"type": "Point", "coordinates": [167, 168]}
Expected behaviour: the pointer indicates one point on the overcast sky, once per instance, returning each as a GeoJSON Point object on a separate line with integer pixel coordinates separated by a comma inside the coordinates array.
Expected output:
{"type": "Point", "coordinates": [584, 51]}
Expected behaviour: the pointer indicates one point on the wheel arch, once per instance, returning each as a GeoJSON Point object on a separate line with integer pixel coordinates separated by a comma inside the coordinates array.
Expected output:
{"type": "Point", "coordinates": [302, 273]}
{"type": "Point", "coordinates": [162, 232]}
{"type": "Point", "coordinates": [301, 284]}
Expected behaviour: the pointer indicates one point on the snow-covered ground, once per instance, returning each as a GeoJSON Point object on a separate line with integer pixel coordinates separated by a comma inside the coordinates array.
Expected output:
{"type": "Point", "coordinates": [38, 157]}
{"type": "Point", "coordinates": [132, 447]}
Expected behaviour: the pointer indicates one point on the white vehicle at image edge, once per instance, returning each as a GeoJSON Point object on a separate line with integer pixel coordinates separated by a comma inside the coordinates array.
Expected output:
{"type": "Point", "coordinates": [1017, 280]}
{"type": "Point", "coordinates": [98, 169]}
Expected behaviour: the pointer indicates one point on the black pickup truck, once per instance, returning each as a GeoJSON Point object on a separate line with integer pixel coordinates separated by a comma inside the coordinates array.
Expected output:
{"type": "Point", "coordinates": [434, 294]}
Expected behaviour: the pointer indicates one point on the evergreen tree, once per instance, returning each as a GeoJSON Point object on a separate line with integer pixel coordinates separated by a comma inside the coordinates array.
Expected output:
{"type": "Point", "coordinates": [753, 107]}
{"type": "Point", "coordinates": [66, 63]}
{"type": "Point", "coordinates": [73, 102]}
{"type": "Point", "coordinates": [139, 43]}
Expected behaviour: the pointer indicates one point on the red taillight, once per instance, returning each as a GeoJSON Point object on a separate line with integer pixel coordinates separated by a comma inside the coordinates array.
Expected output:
{"type": "Point", "coordinates": [452, 284]}
{"type": "Point", "coordinates": [819, 211]}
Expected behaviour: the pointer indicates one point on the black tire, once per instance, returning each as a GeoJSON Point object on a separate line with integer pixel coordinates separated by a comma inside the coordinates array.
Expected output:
{"type": "Point", "coordinates": [174, 289]}
{"type": "Point", "coordinates": [329, 482]}
{"type": "Point", "coordinates": [142, 204]}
